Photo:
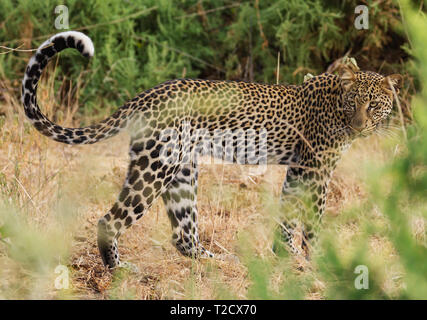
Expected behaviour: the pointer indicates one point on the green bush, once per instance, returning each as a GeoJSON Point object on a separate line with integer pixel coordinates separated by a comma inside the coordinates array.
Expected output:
{"type": "Point", "coordinates": [137, 48]}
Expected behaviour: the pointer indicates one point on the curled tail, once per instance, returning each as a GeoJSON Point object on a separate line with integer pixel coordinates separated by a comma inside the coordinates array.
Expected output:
{"type": "Point", "coordinates": [87, 135]}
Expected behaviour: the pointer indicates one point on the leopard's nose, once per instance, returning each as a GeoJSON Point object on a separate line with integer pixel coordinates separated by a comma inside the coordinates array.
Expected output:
{"type": "Point", "coordinates": [358, 129]}
{"type": "Point", "coordinates": [358, 125]}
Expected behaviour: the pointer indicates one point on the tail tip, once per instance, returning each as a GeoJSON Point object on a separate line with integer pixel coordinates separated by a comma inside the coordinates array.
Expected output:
{"type": "Point", "coordinates": [75, 39]}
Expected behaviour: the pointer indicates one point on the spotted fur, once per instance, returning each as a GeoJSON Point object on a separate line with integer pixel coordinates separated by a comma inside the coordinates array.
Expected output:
{"type": "Point", "coordinates": [305, 127]}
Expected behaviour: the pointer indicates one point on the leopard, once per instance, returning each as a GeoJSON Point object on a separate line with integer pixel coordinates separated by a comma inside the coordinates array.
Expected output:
{"type": "Point", "coordinates": [305, 127]}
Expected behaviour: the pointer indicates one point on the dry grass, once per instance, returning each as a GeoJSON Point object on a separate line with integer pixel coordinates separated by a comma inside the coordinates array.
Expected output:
{"type": "Point", "coordinates": [45, 179]}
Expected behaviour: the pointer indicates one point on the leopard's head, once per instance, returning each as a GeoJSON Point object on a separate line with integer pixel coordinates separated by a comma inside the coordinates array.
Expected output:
{"type": "Point", "coordinates": [368, 99]}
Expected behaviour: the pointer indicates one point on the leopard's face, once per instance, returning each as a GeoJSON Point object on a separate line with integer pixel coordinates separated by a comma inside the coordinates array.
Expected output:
{"type": "Point", "coordinates": [368, 99]}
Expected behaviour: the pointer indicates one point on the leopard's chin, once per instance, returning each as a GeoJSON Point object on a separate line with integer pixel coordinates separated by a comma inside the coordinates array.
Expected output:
{"type": "Point", "coordinates": [353, 133]}
{"type": "Point", "coordinates": [365, 135]}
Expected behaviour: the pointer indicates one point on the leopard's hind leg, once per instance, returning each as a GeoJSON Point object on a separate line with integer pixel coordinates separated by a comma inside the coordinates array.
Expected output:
{"type": "Point", "coordinates": [180, 202]}
{"type": "Point", "coordinates": [146, 179]}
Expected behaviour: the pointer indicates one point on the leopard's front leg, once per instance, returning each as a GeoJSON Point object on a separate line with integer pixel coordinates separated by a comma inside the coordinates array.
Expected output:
{"type": "Point", "coordinates": [303, 203]}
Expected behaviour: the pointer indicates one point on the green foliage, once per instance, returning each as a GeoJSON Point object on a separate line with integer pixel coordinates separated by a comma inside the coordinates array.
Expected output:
{"type": "Point", "coordinates": [32, 254]}
{"type": "Point", "coordinates": [408, 173]}
{"type": "Point", "coordinates": [137, 48]}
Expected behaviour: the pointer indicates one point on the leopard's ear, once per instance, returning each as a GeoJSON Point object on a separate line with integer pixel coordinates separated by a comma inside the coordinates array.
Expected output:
{"type": "Point", "coordinates": [395, 80]}
{"type": "Point", "coordinates": [347, 77]}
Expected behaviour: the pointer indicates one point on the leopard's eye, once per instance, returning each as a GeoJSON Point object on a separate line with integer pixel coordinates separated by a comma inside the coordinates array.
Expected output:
{"type": "Point", "coordinates": [351, 103]}
{"type": "Point", "coordinates": [372, 105]}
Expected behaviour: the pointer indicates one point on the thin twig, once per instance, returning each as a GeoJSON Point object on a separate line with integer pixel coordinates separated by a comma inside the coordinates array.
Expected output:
{"type": "Point", "coordinates": [208, 11]}
{"type": "Point", "coordinates": [16, 49]}
{"type": "Point", "coordinates": [27, 194]}
{"type": "Point", "coordinates": [221, 247]}
{"type": "Point", "coordinates": [399, 108]}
